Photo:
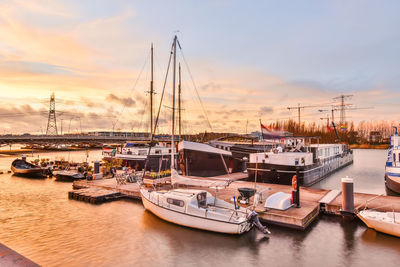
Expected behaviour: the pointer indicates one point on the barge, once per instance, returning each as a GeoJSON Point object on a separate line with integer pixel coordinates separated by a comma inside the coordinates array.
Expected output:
{"type": "Point", "coordinates": [313, 163]}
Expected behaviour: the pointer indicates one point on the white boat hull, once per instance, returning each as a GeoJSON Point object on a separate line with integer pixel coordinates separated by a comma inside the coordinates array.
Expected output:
{"type": "Point", "coordinates": [193, 221]}
{"type": "Point", "coordinates": [389, 226]}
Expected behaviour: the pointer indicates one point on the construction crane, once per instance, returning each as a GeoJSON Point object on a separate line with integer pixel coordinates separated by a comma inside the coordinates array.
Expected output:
{"type": "Point", "coordinates": [332, 110]}
{"type": "Point", "coordinates": [299, 108]}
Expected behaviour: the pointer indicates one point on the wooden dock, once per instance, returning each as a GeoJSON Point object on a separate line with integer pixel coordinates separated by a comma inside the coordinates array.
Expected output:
{"type": "Point", "coordinates": [9, 257]}
{"type": "Point", "coordinates": [312, 201]}
{"type": "Point", "coordinates": [95, 195]}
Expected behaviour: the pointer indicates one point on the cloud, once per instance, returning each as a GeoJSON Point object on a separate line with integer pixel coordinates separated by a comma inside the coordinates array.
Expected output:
{"type": "Point", "coordinates": [127, 101]}
{"type": "Point", "coordinates": [32, 67]}
{"type": "Point", "coordinates": [266, 110]}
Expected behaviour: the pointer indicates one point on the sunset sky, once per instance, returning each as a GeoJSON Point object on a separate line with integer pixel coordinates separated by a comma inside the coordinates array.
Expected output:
{"type": "Point", "coordinates": [250, 60]}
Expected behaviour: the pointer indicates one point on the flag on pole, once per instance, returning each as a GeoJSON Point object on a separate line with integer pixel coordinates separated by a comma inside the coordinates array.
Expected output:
{"type": "Point", "coordinates": [271, 134]}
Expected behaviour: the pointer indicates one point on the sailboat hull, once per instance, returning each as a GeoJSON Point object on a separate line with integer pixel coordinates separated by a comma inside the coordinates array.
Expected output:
{"type": "Point", "coordinates": [389, 226]}
{"type": "Point", "coordinates": [193, 221]}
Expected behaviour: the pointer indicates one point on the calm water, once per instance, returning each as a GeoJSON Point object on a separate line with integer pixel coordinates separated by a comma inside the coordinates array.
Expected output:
{"type": "Point", "coordinates": [38, 220]}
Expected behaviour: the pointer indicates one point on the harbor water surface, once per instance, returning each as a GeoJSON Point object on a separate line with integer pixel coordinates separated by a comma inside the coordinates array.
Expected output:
{"type": "Point", "coordinates": [39, 221]}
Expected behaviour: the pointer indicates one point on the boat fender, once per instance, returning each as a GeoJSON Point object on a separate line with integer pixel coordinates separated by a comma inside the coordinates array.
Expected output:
{"type": "Point", "coordinates": [294, 182]}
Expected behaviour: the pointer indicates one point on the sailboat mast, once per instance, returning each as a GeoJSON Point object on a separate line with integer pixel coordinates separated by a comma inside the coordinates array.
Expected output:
{"type": "Point", "coordinates": [173, 108]}
{"type": "Point", "coordinates": [179, 102]}
{"type": "Point", "coordinates": [151, 95]}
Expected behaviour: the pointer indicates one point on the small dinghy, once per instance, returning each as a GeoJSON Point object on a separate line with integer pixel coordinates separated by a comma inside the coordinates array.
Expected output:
{"type": "Point", "coordinates": [21, 167]}
{"type": "Point", "coordinates": [68, 176]}
{"type": "Point", "coordinates": [385, 222]}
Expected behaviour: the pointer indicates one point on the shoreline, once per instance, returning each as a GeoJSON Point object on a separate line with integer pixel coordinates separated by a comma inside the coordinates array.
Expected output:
{"type": "Point", "coordinates": [368, 146]}
{"type": "Point", "coordinates": [19, 152]}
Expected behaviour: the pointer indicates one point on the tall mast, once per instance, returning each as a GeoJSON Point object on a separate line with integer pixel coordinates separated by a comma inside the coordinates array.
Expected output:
{"type": "Point", "coordinates": [173, 108]}
{"type": "Point", "coordinates": [151, 95]}
{"type": "Point", "coordinates": [179, 102]}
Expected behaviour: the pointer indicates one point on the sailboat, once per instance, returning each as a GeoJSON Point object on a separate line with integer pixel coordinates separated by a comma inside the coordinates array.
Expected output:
{"type": "Point", "coordinates": [196, 208]}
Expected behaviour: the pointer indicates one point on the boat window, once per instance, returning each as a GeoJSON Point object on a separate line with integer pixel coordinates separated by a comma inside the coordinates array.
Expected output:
{"type": "Point", "coordinates": [394, 156]}
{"type": "Point", "coordinates": [176, 202]}
{"type": "Point", "coordinates": [158, 151]}
{"type": "Point", "coordinates": [296, 162]}
{"type": "Point", "coordinates": [169, 150]}
{"type": "Point", "coordinates": [202, 200]}
{"type": "Point", "coordinates": [142, 152]}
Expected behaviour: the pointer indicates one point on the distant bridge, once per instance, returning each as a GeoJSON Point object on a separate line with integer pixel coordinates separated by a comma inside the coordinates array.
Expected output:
{"type": "Point", "coordinates": [71, 139]}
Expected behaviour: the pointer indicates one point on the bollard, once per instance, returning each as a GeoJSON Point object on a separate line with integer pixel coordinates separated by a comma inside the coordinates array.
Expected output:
{"type": "Point", "coordinates": [347, 196]}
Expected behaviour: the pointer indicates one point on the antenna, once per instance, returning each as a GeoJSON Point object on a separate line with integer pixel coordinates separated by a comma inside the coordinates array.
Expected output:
{"type": "Point", "coordinates": [52, 123]}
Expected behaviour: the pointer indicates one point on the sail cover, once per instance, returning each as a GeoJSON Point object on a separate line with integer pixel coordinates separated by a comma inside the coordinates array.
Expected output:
{"type": "Point", "coordinates": [176, 178]}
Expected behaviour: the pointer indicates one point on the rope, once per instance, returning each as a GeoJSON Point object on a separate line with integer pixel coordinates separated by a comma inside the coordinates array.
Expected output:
{"type": "Point", "coordinates": [194, 85]}
{"type": "Point", "coordinates": [130, 93]}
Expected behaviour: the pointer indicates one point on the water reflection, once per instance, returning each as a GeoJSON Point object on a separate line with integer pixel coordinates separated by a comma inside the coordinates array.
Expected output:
{"type": "Point", "coordinates": [385, 241]}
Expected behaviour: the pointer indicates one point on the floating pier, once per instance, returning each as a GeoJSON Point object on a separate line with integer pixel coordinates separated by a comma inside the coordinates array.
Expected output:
{"type": "Point", "coordinates": [95, 195]}
{"type": "Point", "coordinates": [312, 201]}
{"type": "Point", "coordinates": [9, 257]}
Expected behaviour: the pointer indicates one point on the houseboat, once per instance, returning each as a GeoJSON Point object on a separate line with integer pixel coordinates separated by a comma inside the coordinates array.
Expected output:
{"type": "Point", "coordinates": [312, 162]}
{"type": "Point", "coordinates": [134, 155]}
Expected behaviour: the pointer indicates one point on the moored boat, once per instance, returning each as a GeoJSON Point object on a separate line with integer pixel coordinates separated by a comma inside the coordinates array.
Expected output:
{"type": "Point", "coordinates": [68, 176]}
{"type": "Point", "coordinates": [312, 162]}
{"type": "Point", "coordinates": [194, 157]}
{"type": "Point", "coordinates": [21, 167]}
{"type": "Point", "coordinates": [385, 222]}
{"type": "Point", "coordinates": [392, 168]}
{"type": "Point", "coordinates": [197, 209]}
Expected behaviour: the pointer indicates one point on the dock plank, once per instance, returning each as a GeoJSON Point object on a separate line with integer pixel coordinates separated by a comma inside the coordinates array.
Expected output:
{"type": "Point", "coordinates": [11, 258]}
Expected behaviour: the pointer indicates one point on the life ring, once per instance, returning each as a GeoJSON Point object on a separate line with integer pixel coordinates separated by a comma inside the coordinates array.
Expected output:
{"type": "Point", "coordinates": [294, 182]}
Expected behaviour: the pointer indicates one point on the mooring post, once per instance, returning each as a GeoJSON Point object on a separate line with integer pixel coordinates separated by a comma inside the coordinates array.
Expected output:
{"type": "Point", "coordinates": [347, 196]}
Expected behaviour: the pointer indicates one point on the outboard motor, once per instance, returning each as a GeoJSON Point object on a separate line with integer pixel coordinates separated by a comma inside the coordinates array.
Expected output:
{"type": "Point", "coordinates": [253, 217]}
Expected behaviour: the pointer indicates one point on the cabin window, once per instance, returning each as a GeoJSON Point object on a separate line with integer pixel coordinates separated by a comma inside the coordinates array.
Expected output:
{"type": "Point", "coordinates": [394, 156]}
{"type": "Point", "coordinates": [169, 150]}
{"type": "Point", "coordinates": [158, 151]}
{"type": "Point", "coordinates": [296, 162]}
{"type": "Point", "coordinates": [176, 202]}
{"type": "Point", "coordinates": [202, 200]}
{"type": "Point", "coordinates": [142, 152]}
